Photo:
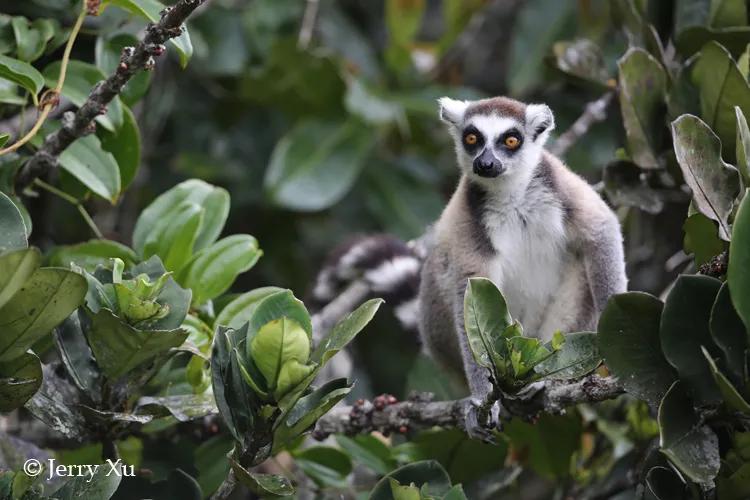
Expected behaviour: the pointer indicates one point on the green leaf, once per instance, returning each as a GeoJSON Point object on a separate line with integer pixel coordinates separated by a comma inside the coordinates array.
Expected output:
{"type": "Point", "coordinates": [743, 147]}
{"type": "Point", "coordinates": [643, 84]}
{"type": "Point", "coordinates": [403, 19]}
{"type": "Point", "coordinates": [486, 317]}
{"type": "Point", "coordinates": [526, 353]}
{"type": "Point", "coordinates": [692, 447]}
{"type": "Point", "coordinates": [92, 253]}
{"type": "Point", "coordinates": [274, 348]}
{"type": "Point", "coordinates": [629, 342]}
{"type": "Point", "coordinates": [728, 13]}
{"type": "Point", "coordinates": [183, 407]}
{"type": "Point", "coordinates": [427, 474]}
{"type": "Point", "coordinates": [262, 484]}
{"type": "Point", "coordinates": [685, 328]}
{"type": "Point", "coordinates": [316, 163]}
{"type": "Point", "coordinates": [21, 73]}
{"type": "Point", "coordinates": [577, 356]}
{"type": "Point", "coordinates": [345, 331]}
{"type": "Point", "coordinates": [731, 396]}
{"type": "Point", "coordinates": [729, 334]}
{"type": "Point", "coordinates": [214, 200]}
{"type": "Point", "coordinates": [372, 107]}
{"type": "Point", "coordinates": [16, 267]}
{"type": "Point", "coordinates": [240, 310]}
{"type": "Point", "coordinates": [125, 146]}
{"type": "Point", "coordinates": [12, 227]}
{"type": "Point", "coordinates": [30, 42]}
{"type": "Point", "coordinates": [739, 262]}
{"type": "Point", "coordinates": [722, 87]}
{"type": "Point", "coordinates": [77, 357]}
{"type": "Point", "coordinates": [701, 238]}
{"type": "Point", "coordinates": [174, 237]}
{"type": "Point", "coordinates": [20, 378]}
{"type": "Point", "coordinates": [582, 61]}
{"type": "Point", "coordinates": [213, 270]}
{"type": "Point", "coordinates": [80, 78]}
{"type": "Point", "coordinates": [95, 168]}
{"type": "Point", "coordinates": [101, 485]}
{"type": "Point", "coordinates": [368, 451]}
{"type": "Point", "coordinates": [736, 486]}
{"type": "Point", "coordinates": [119, 348]}
{"type": "Point", "coordinates": [325, 465]}
{"type": "Point", "coordinates": [151, 9]}
{"type": "Point", "coordinates": [45, 300]}
{"type": "Point", "coordinates": [714, 183]}
{"type": "Point", "coordinates": [4, 139]}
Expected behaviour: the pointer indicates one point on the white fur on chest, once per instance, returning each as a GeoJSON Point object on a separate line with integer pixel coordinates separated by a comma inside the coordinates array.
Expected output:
{"type": "Point", "coordinates": [531, 247]}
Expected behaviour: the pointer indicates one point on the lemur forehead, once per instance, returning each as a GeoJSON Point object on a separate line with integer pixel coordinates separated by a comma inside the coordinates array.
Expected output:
{"type": "Point", "coordinates": [499, 106]}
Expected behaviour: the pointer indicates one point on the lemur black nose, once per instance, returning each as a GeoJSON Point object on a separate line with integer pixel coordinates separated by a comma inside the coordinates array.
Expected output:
{"type": "Point", "coordinates": [486, 165]}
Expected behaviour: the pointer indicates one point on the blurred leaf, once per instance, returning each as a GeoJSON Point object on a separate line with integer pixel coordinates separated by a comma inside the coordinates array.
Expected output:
{"type": "Point", "coordinates": [210, 459]}
{"type": "Point", "coordinates": [583, 61]}
{"type": "Point", "coordinates": [370, 106]}
{"type": "Point", "coordinates": [212, 270]}
{"type": "Point", "coordinates": [93, 166]}
{"type": "Point", "coordinates": [325, 465]}
{"type": "Point", "coordinates": [345, 331]}
{"type": "Point", "coordinates": [736, 486]}
{"type": "Point", "coordinates": [12, 226]}
{"type": "Point", "coordinates": [722, 87]}
{"type": "Point", "coordinates": [20, 378]}
{"type": "Point", "coordinates": [728, 13]}
{"type": "Point", "coordinates": [629, 342]}
{"type": "Point", "coordinates": [664, 483]}
{"type": "Point", "coordinates": [743, 146]}
{"type": "Point", "coordinates": [427, 474]}
{"type": "Point", "coordinates": [21, 73]}
{"type": "Point", "coordinates": [578, 356]}
{"type": "Point", "coordinates": [151, 10]}
{"type": "Point", "coordinates": [731, 396]}
{"type": "Point", "coordinates": [403, 18]}
{"type": "Point", "coordinates": [549, 444]}
{"type": "Point", "coordinates": [625, 185]}
{"type": "Point", "coordinates": [240, 310]}
{"type": "Point", "coordinates": [16, 267]}
{"type": "Point", "coordinates": [125, 146]}
{"type": "Point", "coordinates": [714, 183]}
{"type": "Point", "coordinates": [80, 78]}
{"type": "Point", "coordinates": [701, 238]}
{"type": "Point", "coordinates": [369, 451]}
{"type": "Point", "coordinates": [729, 334]}
{"type": "Point", "coordinates": [91, 253]}
{"type": "Point", "coordinates": [739, 262]}
{"type": "Point", "coordinates": [685, 328]}
{"type": "Point", "coordinates": [46, 299]}
{"type": "Point", "coordinates": [119, 348]}
{"type": "Point", "coordinates": [316, 163]}
{"type": "Point", "coordinates": [222, 32]}
{"type": "Point", "coordinates": [692, 447]}
{"type": "Point", "coordinates": [213, 199]}
{"type": "Point", "coordinates": [262, 484]}
{"type": "Point", "coordinates": [643, 83]}
{"type": "Point", "coordinates": [30, 40]}
{"type": "Point", "coordinates": [486, 316]}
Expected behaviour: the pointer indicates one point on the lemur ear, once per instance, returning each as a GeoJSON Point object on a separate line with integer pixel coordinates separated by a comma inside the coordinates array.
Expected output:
{"type": "Point", "coordinates": [539, 121]}
{"type": "Point", "coordinates": [452, 110]}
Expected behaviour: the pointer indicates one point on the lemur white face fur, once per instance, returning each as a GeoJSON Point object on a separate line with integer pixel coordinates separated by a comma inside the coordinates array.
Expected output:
{"type": "Point", "coordinates": [497, 142]}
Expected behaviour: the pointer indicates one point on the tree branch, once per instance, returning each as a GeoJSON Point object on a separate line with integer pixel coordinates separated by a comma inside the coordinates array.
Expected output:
{"type": "Point", "coordinates": [594, 112]}
{"type": "Point", "coordinates": [548, 396]}
{"type": "Point", "coordinates": [132, 61]}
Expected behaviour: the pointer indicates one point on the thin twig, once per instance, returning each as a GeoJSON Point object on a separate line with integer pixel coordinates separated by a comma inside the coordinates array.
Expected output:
{"type": "Point", "coordinates": [73, 201]}
{"type": "Point", "coordinates": [594, 112]}
{"type": "Point", "coordinates": [132, 61]}
{"type": "Point", "coordinates": [50, 99]}
{"type": "Point", "coordinates": [308, 23]}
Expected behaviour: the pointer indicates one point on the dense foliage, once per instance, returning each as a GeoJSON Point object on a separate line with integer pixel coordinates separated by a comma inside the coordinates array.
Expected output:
{"type": "Point", "coordinates": [137, 323]}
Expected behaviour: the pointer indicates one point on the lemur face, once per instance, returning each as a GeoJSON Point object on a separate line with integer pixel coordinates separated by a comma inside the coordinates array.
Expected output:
{"type": "Point", "coordinates": [498, 137]}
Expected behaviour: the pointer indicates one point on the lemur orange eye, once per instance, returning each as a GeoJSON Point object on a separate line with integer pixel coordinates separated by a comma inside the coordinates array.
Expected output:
{"type": "Point", "coordinates": [471, 139]}
{"type": "Point", "coordinates": [512, 142]}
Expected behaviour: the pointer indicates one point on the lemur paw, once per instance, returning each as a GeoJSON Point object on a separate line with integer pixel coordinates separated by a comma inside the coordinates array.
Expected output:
{"type": "Point", "coordinates": [481, 430]}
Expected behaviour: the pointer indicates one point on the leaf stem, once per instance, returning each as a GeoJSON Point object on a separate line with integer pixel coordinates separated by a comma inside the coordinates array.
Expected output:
{"type": "Point", "coordinates": [50, 98]}
{"type": "Point", "coordinates": [73, 201]}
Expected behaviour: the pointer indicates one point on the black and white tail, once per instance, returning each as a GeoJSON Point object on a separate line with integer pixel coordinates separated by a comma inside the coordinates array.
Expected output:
{"type": "Point", "coordinates": [388, 265]}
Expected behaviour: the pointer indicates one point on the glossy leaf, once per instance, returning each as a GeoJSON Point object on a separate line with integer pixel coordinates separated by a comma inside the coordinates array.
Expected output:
{"type": "Point", "coordinates": [578, 356]}
{"type": "Point", "coordinates": [345, 331]}
{"type": "Point", "coordinates": [280, 347]}
{"type": "Point", "coordinates": [16, 267]}
{"type": "Point", "coordinates": [213, 270]}
{"type": "Point", "coordinates": [642, 92]}
{"type": "Point", "coordinates": [240, 310]}
{"type": "Point", "coordinates": [629, 342]}
{"type": "Point", "coordinates": [714, 183]}
{"type": "Point", "coordinates": [77, 357]}
{"type": "Point", "coordinates": [729, 334]}
{"type": "Point", "coordinates": [692, 447]}
{"type": "Point", "coordinates": [94, 167]}
{"type": "Point", "coordinates": [368, 451]}
{"type": "Point", "coordinates": [732, 398]}
{"type": "Point", "coordinates": [316, 163]}
{"type": "Point", "coordinates": [739, 262]}
{"type": "Point", "coordinates": [21, 73]}
{"type": "Point", "coordinates": [12, 227]}
{"type": "Point", "coordinates": [20, 378]}
{"type": "Point", "coordinates": [174, 237]}
{"type": "Point", "coordinates": [262, 484]}
{"type": "Point", "coordinates": [486, 317]}
{"type": "Point", "coordinates": [44, 301]}
{"type": "Point", "coordinates": [701, 238]}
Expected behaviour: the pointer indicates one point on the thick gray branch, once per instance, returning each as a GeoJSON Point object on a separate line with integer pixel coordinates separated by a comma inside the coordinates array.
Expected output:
{"type": "Point", "coordinates": [132, 61]}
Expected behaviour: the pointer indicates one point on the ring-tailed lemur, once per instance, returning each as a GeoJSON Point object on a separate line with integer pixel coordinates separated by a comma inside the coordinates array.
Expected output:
{"type": "Point", "coordinates": [518, 217]}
